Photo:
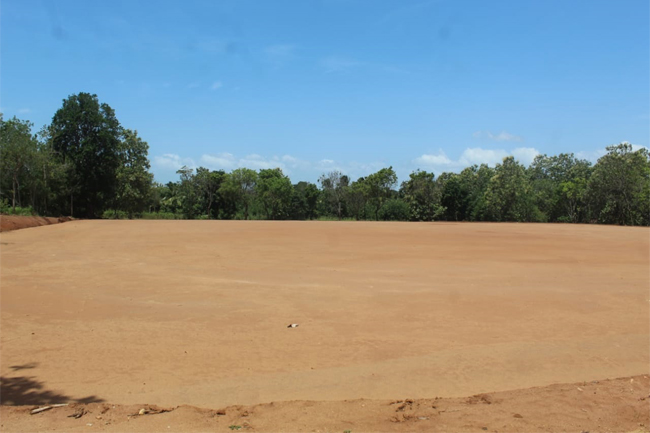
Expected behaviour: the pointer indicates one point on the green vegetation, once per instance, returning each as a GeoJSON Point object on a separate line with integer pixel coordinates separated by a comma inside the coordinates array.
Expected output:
{"type": "Point", "coordinates": [85, 164]}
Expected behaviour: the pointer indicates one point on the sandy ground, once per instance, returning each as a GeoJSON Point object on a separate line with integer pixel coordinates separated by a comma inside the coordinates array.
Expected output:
{"type": "Point", "coordinates": [195, 312]}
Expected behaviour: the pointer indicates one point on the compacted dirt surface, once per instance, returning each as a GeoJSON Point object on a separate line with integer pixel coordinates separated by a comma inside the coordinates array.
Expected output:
{"type": "Point", "coordinates": [496, 320]}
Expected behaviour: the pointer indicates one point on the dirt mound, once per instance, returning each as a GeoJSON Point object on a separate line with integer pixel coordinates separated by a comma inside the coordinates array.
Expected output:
{"type": "Point", "coordinates": [16, 222]}
{"type": "Point", "coordinates": [607, 405]}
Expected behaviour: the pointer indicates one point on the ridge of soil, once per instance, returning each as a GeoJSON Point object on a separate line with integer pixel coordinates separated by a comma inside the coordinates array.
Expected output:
{"type": "Point", "coordinates": [598, 406]}
{"type": "Point", "coordinates": [17, 222]}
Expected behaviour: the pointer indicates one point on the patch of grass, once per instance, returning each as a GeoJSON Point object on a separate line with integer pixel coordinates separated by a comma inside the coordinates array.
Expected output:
{"type": "Point", "coordinates": [234, 427]}
{"type": "Point", "coordinates": [7, 209]}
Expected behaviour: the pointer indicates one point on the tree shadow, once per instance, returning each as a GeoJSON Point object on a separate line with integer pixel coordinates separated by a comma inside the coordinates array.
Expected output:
{"type": "Point", "coordinates": [24, 366]}
{"type": "Point", "coordinates": [24, 390]}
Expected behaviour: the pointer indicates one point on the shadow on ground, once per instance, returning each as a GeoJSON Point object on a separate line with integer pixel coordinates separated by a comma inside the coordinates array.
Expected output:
{"type": "Point", "coordinates": [27, 390]}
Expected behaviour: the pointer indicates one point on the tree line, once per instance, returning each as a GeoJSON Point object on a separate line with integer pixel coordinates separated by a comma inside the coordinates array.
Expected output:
{"type": "Point", "coordinates": [85, 164]}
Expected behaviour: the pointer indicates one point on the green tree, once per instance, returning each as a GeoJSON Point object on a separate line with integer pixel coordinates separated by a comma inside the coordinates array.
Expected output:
{"type": "Point", "coordinates": [238, 190]}
{"type": "Point", "coordinates": [555, 182]}
{"type": "Point", "coordinates": [333, 185]}
{"type": "Point", "coordinates": [18, 152]}
{"type": "Point", "coordinates": [378, 187]}
{"type": "Point", "coordinates": [355, 197]}
{"type": "Point", "coordinates": [304, 201]}
{"type": "Point", "coordinates": [394, 209]}
{"type": "Point", "coordinates": [619, 188]}
{"type": "Point", "coordinates": [188, 193]}
{"type": "Point", "coordinates": [274, 191]}
{"type": "Point", "coordinates": [421, 194]}
{"type": "Point", "coordinates": [134, 180]}
{"type": "Point", "coordinates": [208, 184]}
{"type": "Point", "coordinates": [86, 136]}
{"type": "Point", "coordinates": [509, 194]}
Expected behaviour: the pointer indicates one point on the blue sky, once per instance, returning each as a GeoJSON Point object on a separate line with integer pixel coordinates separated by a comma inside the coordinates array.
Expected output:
{"type": "Point", "coordinates": [315, 85]}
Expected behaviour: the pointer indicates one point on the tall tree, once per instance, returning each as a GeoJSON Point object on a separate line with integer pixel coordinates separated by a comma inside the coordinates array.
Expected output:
{"type": "Point", "coordinates": [188, 194]}
{"type": "Point", "coordinates": [208, 183]}
{"type": "Point", "coordinates": [18, 151]}
{"type": "Point", "coordinates": [274, 192]}
{"type": "Point", "coordinates": [619, 187]}
{"type": "Point", "coordinates": [134, 180]}
{"type": "Point", "coordinates": [355, 197]}
{"type": "Point", "coordinates": [86, 135]}
{"type": "Point", "coordinates": [379, 186]}
{"type": "Point", "coordinates": [421, 195]}
{"type": "Point", "coordinates": [238, 189]}
{"type": "Point", "coordinates": [304, 200]}
{"type": "Point", "coordinates": [333, 185]}
{"type": "Point", "coordinates": [556, 181]}
{"type": "Point", "coordinates": [509, 194]}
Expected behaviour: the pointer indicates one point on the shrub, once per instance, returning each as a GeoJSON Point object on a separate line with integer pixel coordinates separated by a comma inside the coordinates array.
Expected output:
{"type": "Point", "coordinates": [394, 210]}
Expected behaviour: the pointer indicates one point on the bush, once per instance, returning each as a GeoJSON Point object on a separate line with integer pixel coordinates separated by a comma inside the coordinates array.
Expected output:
{"type": "Point", "coordinates": [7, 209]}
{"type": "Point", "coordinates": [394, 210]}
{"type": "Point", "coordinates": [112, 214]}
{"type": "Point", "coordinates": [161, 216]}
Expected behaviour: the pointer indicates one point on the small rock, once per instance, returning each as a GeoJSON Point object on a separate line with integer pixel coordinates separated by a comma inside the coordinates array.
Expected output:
{"type": "Point", "coordinates": [89, 424]}
{"type": "Point", "coordinates": [142, 412]}
{"type": "Point", "coordinates": [292, 325]}
{"type": "Point", "coordinates": [517, 416]}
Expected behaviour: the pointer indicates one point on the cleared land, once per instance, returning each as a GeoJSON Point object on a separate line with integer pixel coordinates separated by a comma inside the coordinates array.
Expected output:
{"type": "Point", "coordinates": [195, 312]}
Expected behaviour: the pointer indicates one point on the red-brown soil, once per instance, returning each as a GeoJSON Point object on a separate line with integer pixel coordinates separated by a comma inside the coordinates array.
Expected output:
{"type": "Point", "coordinates": [15, 222]}
{"type": "Point", "coordinates": [195, 313]}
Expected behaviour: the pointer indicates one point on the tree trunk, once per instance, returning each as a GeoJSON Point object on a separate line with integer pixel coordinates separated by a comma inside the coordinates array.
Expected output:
{"type": "Point", "coordinates": [13, 200]}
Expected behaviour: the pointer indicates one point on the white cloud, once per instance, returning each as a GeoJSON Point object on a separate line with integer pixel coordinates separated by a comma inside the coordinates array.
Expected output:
{"type": "Point", "coordinates": [595, 155]}
{"type": "Point", "coordinates": [24, 111]}
{"type": "Point", "coordinates": [501, 136]}
{"type": "Point", "coordinates": [171, 161]}
{"type": "Point", "coordinates": [193, 85]}
{"type": "Point", "coordinates": [289, 164]}
{"type": "Point", "coordinates": [525, 155]}
{"type": "Point", "coordinates": [475, 155]}
{"type": "Point", "coordinates": [216, 85]}
{"type": "Point", "coordinates": [433, 160]}
{"type": "Point", "coordinates": [221, 160]}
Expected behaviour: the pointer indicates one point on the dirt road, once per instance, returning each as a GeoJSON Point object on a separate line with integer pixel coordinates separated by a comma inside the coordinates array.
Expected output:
{"type": "Point", "coordinates": [196, 312]}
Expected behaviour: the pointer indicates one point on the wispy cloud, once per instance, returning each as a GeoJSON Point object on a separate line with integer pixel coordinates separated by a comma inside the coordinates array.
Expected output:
{"type": "Point", "coordinates": [594, 155]}
{"type": "Point", "coordinates": [501, 136]}
{"type": "Point", "coordinates": [23, 111]}
{"type": "Point", "coordinates": [475, 155]}
{"type": "Point", "coordinates": [167, 164]}
{"type": "Point", "coordinates": [439, 159]}
{"type": "Point", "coordinates": [193, 85]}
{"type": "Point", "coordinates": [171, 161]}
{"type": "Point", "coordinates": [335, 64]}
{"type": "Point", "coordinates": [216, 85]}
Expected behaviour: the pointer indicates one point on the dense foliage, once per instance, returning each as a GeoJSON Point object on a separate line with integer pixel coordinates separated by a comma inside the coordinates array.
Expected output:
{"type": "Point", "coordinates": [85, 164]}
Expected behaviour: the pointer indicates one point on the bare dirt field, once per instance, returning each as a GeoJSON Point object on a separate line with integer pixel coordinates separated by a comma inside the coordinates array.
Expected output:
{"type": "Point", "coordinates": [172, 313]}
